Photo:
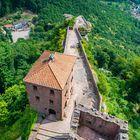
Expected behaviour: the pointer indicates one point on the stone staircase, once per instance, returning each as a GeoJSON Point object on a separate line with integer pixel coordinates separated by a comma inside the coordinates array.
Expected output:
{"type": "Point", "coordinates": [44, 134]}
{"type": "Point", "coordinates": [75, 119]}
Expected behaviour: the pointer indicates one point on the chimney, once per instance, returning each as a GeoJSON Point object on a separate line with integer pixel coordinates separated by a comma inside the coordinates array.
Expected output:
{"type": "Point", "coordinates": [51, 57]}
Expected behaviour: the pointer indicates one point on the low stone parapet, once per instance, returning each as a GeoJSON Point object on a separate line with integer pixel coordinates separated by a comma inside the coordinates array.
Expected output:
{"type": "Point", "coordinates": [102, 123]}
{"type": "Point", "coordinates": [90, 73]}
{"type": "Point", "coordinates": [66, 38]}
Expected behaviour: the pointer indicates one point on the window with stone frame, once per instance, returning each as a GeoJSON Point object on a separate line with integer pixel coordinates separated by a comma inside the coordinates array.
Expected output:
{"type": "Point", "coordinates": [34, 87]}
{"type": "Point", "coordinates": [88, 122]}
{"type": "Point", "coordinates": [71, 90]}
{"type": "Point", "coordinates": [65, 104]}
{"type": "Point", "coordinates": [37, 98]}
{"type": "Point", "coordinates": [72, 79]}
{"type": "Point", "coordinates": [66, 92]}
{"type": "Point", "coordinates": [52, 92]}
{"type": "Point", "coordinates": [51, 102]}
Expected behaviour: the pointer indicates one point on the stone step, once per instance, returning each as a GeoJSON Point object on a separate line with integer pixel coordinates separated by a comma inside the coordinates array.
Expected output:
{"type": "Point", "coordinates": [77, 111]}
{"type": "Point", "coordinates": [47, 130]}
{"type": "Point", "coordinates": [76, 117]}
{"type": "Point", "coordinates": [74, 125]}
{"type": "Point", "coordinates": [43, 135]}
{"type": "Point", "coordinates": [75, 121]}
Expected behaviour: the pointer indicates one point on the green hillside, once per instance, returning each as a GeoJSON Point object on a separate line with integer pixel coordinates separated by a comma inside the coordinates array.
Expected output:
{"type": "Point", "coordinates": [127, 1]}
{"type": "Point", "coordinates": [113, 50]}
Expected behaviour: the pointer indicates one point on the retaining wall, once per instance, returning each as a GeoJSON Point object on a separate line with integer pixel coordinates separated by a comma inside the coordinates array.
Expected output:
{"type": "Point", "coordinates": [66, 38]}
{"type": "Point", "coordinates": [104, 124]}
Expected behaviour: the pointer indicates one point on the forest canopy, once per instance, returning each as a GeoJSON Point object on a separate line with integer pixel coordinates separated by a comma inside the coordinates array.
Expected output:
{"type": "Point", "coordinates": [113, 50]}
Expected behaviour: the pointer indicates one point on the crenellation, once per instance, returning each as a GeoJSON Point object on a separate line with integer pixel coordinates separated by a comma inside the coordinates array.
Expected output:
{"type": "Point", "coordinates": [122, 136]}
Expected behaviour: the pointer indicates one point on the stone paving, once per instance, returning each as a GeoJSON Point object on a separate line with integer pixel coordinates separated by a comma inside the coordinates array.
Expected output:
{"type": "Point", "coordinates": [88, 134]}
{"type": "Point", "coordinates": [56, 129]}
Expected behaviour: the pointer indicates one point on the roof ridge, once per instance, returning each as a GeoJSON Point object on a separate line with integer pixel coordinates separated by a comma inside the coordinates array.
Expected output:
{"type": "Point", "coordinates": [55, 76]}
{"type": "Point", "coordinates": [65, 54]}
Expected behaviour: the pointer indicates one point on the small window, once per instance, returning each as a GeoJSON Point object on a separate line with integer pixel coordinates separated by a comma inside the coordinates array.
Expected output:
{"type": "Point", "coordinates": [37, 98]}
{"type": "Point", "coordinates": [71, 90]}
{"type": "Point", "coordinates": [52, 92]}
{"type": "Point", "coordinates": [35, 87]}
{"type": "Point", "coordinates": [72, 79]}
{"type": "Point", "coordinates": [51, 102]}
{"type": "Point", "coordinates": [66, 93]}
{"type": "Point", "coordinates": [65, 104]}
{"type": "Point", "coordinates": [88, 122]}
{"type": "Point", "coordinates": [72, 70]}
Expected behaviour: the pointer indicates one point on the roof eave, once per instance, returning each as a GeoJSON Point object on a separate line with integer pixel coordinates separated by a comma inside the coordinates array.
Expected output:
{"type": "Point", "coordinates": [42, 85]}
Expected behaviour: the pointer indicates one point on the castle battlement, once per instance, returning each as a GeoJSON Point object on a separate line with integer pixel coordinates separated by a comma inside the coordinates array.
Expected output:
{"type": "Point", "coordinates": [102, 123]}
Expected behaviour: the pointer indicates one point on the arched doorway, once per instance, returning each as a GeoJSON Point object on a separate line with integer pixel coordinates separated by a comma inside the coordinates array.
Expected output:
{"type": "Point", "coordinates": [51, 111]}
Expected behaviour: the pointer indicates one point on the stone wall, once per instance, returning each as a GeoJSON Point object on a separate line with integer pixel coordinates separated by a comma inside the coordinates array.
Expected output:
{"type": "Point", "coordinates": [78, 34]}
{"type": "Point", "coordinates": [66, 38]}
{"type": "Point", "coordinates": [40, 97]}
{"type": "Point", "coordinates": [66, 93]}
{"type": "Point", "coordinates": [107, 125]}
{"type": "Point", "coordinates": [89, 70]}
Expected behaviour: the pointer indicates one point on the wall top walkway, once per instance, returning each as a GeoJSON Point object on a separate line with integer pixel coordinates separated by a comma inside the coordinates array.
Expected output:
{"type": "Point", "coordinates": [93, 79]}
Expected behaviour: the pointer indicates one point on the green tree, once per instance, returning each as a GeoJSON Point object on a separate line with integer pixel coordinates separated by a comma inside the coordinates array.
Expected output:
{"type": "Point", "coordinates": [103, 84]}
{"type": "Point", "coordinates": [102, 58]}
{"type": "Point", "coordinates": [16, 100]}
{"type": "Point", "coordinates": [4, 114]}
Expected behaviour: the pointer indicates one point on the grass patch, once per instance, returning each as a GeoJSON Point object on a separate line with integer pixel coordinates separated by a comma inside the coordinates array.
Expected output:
{"type": "Point", "coordinates": [21, 127]}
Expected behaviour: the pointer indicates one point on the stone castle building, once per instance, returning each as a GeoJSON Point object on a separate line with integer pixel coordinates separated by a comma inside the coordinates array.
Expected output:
{"type": "Point", "coordinates": [49, 83]}
{"type": "Point", "coordinates": [49, 87]}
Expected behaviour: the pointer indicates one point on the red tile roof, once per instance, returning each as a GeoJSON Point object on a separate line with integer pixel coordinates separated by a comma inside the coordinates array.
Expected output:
{"type": "Point", "coordinates": [53, 74]}
{"type": "Point", "coordinates": [8, 26]}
